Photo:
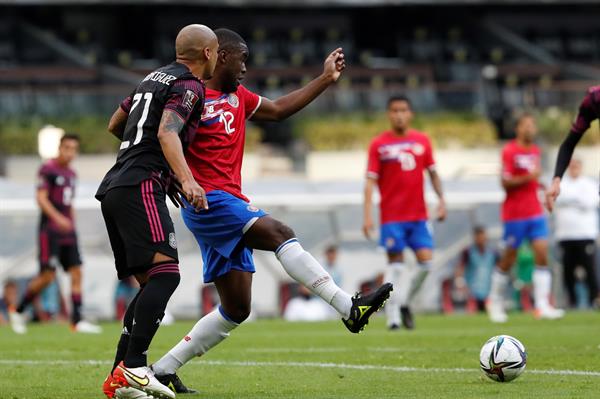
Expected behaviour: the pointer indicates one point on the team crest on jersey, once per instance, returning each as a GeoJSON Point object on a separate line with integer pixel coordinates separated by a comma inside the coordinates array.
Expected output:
{"type": "Point", "coordinates": [252, 208]}
{"type": "Point", "coordinates": [60, 180]}
{"type": "Point", "coordinates": [172, 241]}
{"type": "Point", "coordinates": [418, 149]}
{"type": "Point", "coordinates": [233, 100]}
{"type": "Point", "coordinates": [189, 99]}
{"type": "Point", "coordinates": [526, 161]}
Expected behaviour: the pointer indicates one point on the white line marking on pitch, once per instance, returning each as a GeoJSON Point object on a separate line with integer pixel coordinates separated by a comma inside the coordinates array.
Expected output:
{"type": "Point", "coordinates": [373, 367]}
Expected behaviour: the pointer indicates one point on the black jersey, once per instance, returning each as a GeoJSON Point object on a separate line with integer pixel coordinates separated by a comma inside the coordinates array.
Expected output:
{"type": "Point", "coordinates": [140, 157]}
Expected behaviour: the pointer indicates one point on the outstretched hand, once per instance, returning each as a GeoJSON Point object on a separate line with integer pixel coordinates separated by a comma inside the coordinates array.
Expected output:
{"type": "Point", "coordinates": [552, 193]}
{"type": "Point", "coordinates": [334, 64]}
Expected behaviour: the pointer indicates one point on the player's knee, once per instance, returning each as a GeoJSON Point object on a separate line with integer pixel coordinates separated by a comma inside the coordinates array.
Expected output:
{"type": "Point", "coordinates": [48, 275]}
{"type": "Point", "coordinates": [238, 312]}
{"type": "Point", "coordinates": [283, 232]}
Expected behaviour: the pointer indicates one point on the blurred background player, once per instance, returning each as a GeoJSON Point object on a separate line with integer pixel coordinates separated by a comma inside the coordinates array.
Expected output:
{"type": "Point", "coordinates": [155, 124]}
{"type": "Point", "coordinates": [589, 111]}
{"type": "Point", "coordinates": [474, 270]}
{"type": "Point", "coordinates": [397, 160]}
{"type": "Point", "coordinates": [229, 231]}
{"type": "Point", "coordinates": [524, 219]}
{"type": "Point", "coordinates": [57, 238]}
{"type": "Point", "coordinates": [576, 230]}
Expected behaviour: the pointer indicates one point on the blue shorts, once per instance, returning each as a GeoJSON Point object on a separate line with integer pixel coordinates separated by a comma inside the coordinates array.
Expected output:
{"type": "Point", "coordinates": [516, 231]}
{"type": "Point", "coordinates": [395, 236]}
{"type": "Point", "coordinates": [219, 232]}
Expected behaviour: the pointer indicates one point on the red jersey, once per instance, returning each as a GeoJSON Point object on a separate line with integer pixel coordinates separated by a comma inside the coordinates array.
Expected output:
{"type": "Point", "coordinates": [521, 202]}
{"type": "Point", "coordinates": [216, 152]}
{"type": "Point", "coordinates": [398, 163]}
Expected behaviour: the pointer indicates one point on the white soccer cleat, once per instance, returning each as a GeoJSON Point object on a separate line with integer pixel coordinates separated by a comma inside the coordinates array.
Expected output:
{"type": "Point", "coordinates": [17, 322]}
{"type": "Point", "coordinates": [549, 313]}
{"type": "Point", "coordinates": [496, 312]}
{"type": "Point", "coordinates": [85, 327]}
{"type": "Point", "coordinates": [143, 379]}
{"type": "Point", "coordinates": [131, 393]}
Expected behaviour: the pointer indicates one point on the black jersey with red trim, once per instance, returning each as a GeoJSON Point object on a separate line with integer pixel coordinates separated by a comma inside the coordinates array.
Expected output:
{"type": "Point", "coordinates": [140, 156]}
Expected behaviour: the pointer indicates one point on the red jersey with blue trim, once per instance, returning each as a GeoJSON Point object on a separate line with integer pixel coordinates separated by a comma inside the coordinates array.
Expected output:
{"type": "Point", "coordinates": [216, 152]}
{"type": "Point", "coordinates": [398, 163]}
{"type": "Point", "coordinates": [521, 202]}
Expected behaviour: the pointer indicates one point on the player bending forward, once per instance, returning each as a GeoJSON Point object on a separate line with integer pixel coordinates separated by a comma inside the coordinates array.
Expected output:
{"type": "Point", "coordinates": [155, 123]}
{"type": "Point", "coordinates": [397, 160]}
{"type": "Point", "coordinates": [231, 228]}
{"type": "Point", "coordinates": [523, 219]}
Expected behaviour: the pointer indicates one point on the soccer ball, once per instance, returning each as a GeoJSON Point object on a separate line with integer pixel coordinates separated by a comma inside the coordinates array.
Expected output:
{"type": "Point", "coordinates": [503, 358]}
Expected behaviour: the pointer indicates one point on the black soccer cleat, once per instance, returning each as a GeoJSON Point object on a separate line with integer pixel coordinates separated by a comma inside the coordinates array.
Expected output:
{"type": "Point", "coordinates": [364, 306]}
{"type": "Point", "coordinates": [407, 318]}
{"type": "Point", "coordinates": [173, 382]}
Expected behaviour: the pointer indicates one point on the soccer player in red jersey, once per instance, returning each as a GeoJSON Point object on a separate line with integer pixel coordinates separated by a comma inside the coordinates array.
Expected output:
{"type": "Point", "coordinates": [57, 236]}
{"type": "Point", "coordinates": [231, 228]}
{"type": "Point", "coordinates": [589, 110]}
{"type": "Point", "coordinates": [524, 219]}
{"type": "Point", "coordinates": [398, 159]}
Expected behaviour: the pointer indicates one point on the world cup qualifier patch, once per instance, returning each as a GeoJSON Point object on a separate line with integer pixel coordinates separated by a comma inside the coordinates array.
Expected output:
{"type": "Point", "coordinates": [189, 99]}
{"type": "Point", "coordinates": [233, 100]}
{"type": "Point", "coordinates": [172, 241]}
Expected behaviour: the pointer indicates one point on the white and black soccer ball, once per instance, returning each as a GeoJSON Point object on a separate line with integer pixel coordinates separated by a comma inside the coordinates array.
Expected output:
{"type": "Point", "coordinates": [503, 358]}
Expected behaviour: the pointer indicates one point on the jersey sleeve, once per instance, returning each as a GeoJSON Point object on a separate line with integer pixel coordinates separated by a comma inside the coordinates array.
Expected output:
{"type": "Point", "coordinates": [251, 101]}
{"type": "Point", "coordinates": [373, 163]}
{"type": "Point", "coordinates": [44, 181]}
{"type": "Point", "coordinates": [588, 112]}
{"type": "Point", "coordinates": [429, 160]}
{"type": "Point", "coordinates": [183, 97]}
{"type": "Point", "coordinates": [126, 103]}
{"type": "Point", "coordinates": [507, 163]}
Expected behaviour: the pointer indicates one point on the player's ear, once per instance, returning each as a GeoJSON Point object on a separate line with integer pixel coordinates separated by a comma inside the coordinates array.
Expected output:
{"type": "Point", "coordinates": [222, 54]}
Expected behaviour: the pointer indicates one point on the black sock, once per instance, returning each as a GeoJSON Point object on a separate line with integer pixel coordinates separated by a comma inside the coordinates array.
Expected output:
{"type": "Point", "coordinates": [76, 311]}
{"type": "Point", "coordinates": [27, 299]}
{"type": "Point", "coordinates": [126, 333]}
{"type": "Point", "coordinates": [149, 311]}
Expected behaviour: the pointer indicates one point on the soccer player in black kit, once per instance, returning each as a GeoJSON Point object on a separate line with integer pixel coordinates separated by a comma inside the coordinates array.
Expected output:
{"type": "Point", "coordinates": [589, 110]}
{"type": "Point", "coordinates": [154, 123]}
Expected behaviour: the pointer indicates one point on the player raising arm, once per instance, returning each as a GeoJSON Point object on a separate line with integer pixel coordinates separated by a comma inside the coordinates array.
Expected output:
{"type": "Point", "coordinates": [589, 110]}
{"type": "Point", "coordinates": [231, 228]}
{"type": "Point", "coordinates": [155, 123]}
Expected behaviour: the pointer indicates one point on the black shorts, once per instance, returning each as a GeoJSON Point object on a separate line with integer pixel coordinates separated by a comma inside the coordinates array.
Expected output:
{"type": "Point", "coordinates": [139, 225]}
{"type": "Point", "coordinates": [55, 251]}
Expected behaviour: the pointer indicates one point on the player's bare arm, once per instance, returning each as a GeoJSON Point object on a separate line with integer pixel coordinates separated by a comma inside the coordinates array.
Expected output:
{"type": "Point", "coordinates": [117, 123]}
{"type": "Point", "coordinates": [49, 210]}
{"type": "Point", "coordinates": [436, 183]}
{"type": "Point", "coordinates": [368, 207]}
{"type": "Point", "coordinates": [285, 106]}
{"type": "Point", "coordinates": [168, 135]}
{"type": "Point", "coordinates": [510, 182]}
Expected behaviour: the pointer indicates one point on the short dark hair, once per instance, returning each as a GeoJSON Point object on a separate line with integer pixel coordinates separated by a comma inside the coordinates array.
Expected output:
{"type": "Point", "coordinates": [399, 97]}
{"type": "Point", "coordinates": [478, 229]}
{"type": "Point", "coordinates": [521, 116]}
{"type": "Point", "coordinates": [70, 136]}
{"type": "Point", "coordinates": [331, 248]}
{"type": "Point", "coordinates": [228, 38]}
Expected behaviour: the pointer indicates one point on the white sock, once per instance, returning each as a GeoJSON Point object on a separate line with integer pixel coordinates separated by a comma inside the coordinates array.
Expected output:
{"type": "Point", "coordinates": [208, 332]}
{"type": "Point", "coordinates": [305, 269]}
{"type": "Point", "coordinates": [499, 285]}
{"type": "Point", "coordinates": [404, 284]}
{"type": "Point", "coordinates": [542, 285]}
{"type": "Point", "coordinates": [418, 278]}
{"type": "Point", "coordinates": [392, 306]}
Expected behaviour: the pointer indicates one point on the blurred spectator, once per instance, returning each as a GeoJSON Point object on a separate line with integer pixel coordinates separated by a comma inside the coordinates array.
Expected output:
{"type": "Point", "coordinates": [330, 264]}
{"type": "Point", "coordinates": [576, 218]}
{"type": "Point", "coordinates": [124, 293]}
{"type": "Point", "coordinates": [50, 304]}
{"type": "Point", "coordinates": [8, 299]}
{"type": "Point", "coordinates": [474, 270]}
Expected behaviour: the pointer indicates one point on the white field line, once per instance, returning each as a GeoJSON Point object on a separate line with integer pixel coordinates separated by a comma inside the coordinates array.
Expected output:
{"type": "Point", "coordinates": [371, 367]}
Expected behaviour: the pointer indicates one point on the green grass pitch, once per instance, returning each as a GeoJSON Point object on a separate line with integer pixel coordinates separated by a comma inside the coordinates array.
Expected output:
{"type": "Point", "coordinates": [273, 359]}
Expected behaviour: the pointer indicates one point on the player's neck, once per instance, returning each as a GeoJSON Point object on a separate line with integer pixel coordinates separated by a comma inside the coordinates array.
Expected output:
{"type": "Point", "coordinates": [61, 162]}
{"type": "Point", "coordinates": [215, 83]}
{"type": "Point", "coordinates": [400, 133]}
{"type": "Point", "coordinates": [524, 143]}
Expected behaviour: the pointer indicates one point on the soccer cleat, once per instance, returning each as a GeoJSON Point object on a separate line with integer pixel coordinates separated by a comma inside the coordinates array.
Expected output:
{"type": "Point", "coordinates": [17, 322]}
{"type": "Point", "coordinates": [143, 379]}
{"type": "Point", "coordinates": [496, 312]}
{"type": "Point", "coordinates": [549, 313]}
{"type": "Point", "coordinates": [113, 389]}
{"type": "Point", "coordinates": [407, 318]}
{"type": "Point", "coordinates": [174, 383]}
{"type": "Point", "coordinates": [393, 327]}
{"type": "Point", "coordinates": [364, 306]}
{"type": "Point", "coordinates": [110, 386]}
{"type": "Point", "coordinates": [85, 327]}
